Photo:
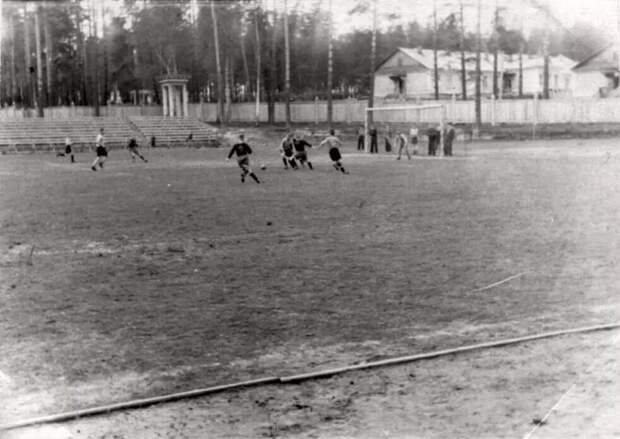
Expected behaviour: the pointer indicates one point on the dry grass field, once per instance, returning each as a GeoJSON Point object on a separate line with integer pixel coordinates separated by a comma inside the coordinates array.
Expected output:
{"type": "Point", "coordinates": [144, 279]}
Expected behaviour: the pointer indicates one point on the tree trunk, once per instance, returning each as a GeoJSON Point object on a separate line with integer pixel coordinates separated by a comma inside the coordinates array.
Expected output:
{"type": "Point", "coordinates": [258, 66]}
{"type": "Point", "coordinates": [462, 47]}
{"type": "Point", "coordinates": [14, 88]}
{"type": "Point", "coordinates": [373, 56]}
{"type": "Point", "coordinates": [227, 88]}
{"type": "Point", "coordinates": [287, 68]}
{"type": "Point", "coordinates": [546, 67]}
{"type": "Point", "coordinates": [246, 70]}
{"type": "Point", "coordinates": [478, 70]}
{"type": "Point", "coordinates": [37, 33]}
{"type": "Point", "coordinates": [49, 56]}
{"type": "Point", "coordinates": [495, 52]}
{"type": "Point", "coordinates": [521, 69]}
{"type": "Point", "coordinates": [435, 67]}
{"type": "Point", "coordinates": [330, 56]}
{"type": "Point", "coordinates": [28, 60]}
{"type": "Point", "coordinates": [218, 66]}
{"type": "Point", "coordinates": [273, 71]}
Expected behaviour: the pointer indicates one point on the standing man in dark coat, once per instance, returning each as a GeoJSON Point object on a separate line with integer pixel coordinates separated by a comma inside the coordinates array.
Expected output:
{"type": "Point", "coordinates": [448, 139]}
{"type": "Point", "coordinates": [373, 140]}
{"type": "Point", "coordinates": [433, 140]}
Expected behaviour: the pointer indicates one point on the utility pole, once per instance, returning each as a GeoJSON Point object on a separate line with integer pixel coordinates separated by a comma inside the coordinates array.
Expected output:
{"type": "Point", "coordinates": [435, 69]}
{"type": "Point", "coordinates": [37, 33]}
{"type": "Point", "coordinates": [329, 70]}
{"type": "Point", "coordinates": [287, 68]}
{"type": "Point", "coordinates": [478, 70]}
{"type": "Point", "coordinates": [462, 47]}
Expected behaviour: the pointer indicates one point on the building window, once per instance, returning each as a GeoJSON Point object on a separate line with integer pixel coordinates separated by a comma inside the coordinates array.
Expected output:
{"type": "Point", "coordinates": [541, 80]}
{"type": "Point", "coordinates": [567, 82]}
{"type": "Point", "coordinates": [556, 81]}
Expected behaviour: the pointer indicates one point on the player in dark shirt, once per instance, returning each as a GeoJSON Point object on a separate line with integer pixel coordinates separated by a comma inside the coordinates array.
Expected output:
{"type": "Point", "coordinates": [243, 151]}
{"type": "Point", "coordinates": [132, 146]}
{"type": "Point", "coordinates": [300, 145]}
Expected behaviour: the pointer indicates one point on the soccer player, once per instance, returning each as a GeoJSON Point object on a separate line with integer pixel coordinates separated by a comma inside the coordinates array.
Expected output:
{"type": "Point", "coordinates": [68, 149]}
{"type": "Point", "coordinates": [401, 140]}
{"type": "Point", "coordinates": [132, 146]}
{"type": "Point", "coordinates": [243, 152]}
{"type": "Point", "coordinates": [300, 144]}
{"type": "Point", "coordinates": [102, 152]}
{"type": "Point", "coordinates": [334, 153]}
{"type": "Point", "coordinates": [286, 151]}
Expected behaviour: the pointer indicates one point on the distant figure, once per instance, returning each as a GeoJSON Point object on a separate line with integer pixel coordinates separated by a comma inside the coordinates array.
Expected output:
{"type": "Point", "coordinates": [152, 141]}
{"type": "Point", "coordinates": [361, 137]}
{"type": "Point", "coordinates": [401, 141]}
{"type": "Point", "coordinates": [101, 151]}
{"type": "Point", "coordinates": [449, 136]}
{"type": "Point", "coordinates": [433, 140]}
{"type": "Point", "coordinates": [189, 139]}
{"type": "Point", "coordinates": [286, 152]}
{"type": "Point", "coordinates": [413, 139]}
{"type": "Point", "coordinates": [373, 140]}
{"type": "Point", "coordinates": [388, 139]}
{"type": "Point", "coordinates": [69, 149]}
{"type": "Point", "coordinates": [300, 145]}
{"type": "Point", "coordinates": [334, 153]}
{"type": "Point", "coordinates": [243, 152]}
{"type": "Point", "coordinates": [132, 146]}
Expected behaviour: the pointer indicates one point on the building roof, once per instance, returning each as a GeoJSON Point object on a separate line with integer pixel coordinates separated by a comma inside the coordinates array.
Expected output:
{"type": "Point", "coordinates": [451, 60]}
{"type": "Point", "coordinates": [596, 61]}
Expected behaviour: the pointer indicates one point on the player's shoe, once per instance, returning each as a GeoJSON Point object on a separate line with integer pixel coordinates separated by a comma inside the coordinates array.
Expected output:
{"type": "Point", "coordinates": [93, 168]}
{"type": "Point", "coordinates": [242, 178]}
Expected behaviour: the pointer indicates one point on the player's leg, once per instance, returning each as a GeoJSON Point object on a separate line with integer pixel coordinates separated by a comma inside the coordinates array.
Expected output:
{"type": "Point", "coordinates": [95, 163]}
{"type": "Point", "coordinates": [293, 162]}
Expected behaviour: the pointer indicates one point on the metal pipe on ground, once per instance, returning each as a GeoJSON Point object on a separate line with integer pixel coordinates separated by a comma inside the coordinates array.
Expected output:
{"type": "Point", "coordinates": [140, 403]}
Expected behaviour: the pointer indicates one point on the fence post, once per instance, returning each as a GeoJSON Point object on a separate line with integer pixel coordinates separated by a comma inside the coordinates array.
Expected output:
{"type": "Point", "coordinates": [316, 110]}
{"type": "Point", "coordinates": [492, 110]}
{"type": "Point", "coordinates": [534, 116]}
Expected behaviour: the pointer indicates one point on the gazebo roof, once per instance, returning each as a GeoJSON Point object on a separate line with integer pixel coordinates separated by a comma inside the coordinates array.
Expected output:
{"type": "Point", "coordinates": [173, 78]}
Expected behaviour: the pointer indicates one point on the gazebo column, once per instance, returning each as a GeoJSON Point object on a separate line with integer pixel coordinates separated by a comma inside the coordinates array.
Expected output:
{"type": "Point", "coordinates": [177, 102]}
{"type": "Point", "coordinates": [185, 101]}
{"type": "Point", "coordinates": [164, 98]}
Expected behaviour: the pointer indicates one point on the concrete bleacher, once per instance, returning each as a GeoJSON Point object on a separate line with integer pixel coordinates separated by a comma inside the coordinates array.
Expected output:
{"type": "Point", "coordinates": [34, 134]}
{"type": "Point", "coordinates": [175, 131]}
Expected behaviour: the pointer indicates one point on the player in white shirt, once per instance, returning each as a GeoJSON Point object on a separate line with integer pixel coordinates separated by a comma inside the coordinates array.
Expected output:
{"type": "Point", "coordinates": [102, 152]}
{"type": "Point", "coordinates": [334, 153]}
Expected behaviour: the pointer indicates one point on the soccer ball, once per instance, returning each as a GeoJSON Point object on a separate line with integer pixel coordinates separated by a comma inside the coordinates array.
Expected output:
{"type": "Point", "coordinates": [263, 167]}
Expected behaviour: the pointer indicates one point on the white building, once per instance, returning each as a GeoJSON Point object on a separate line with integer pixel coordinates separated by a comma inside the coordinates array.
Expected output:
{"type": "Point", "coordinates": [409, 74]}
{"type": "Point", "coordinates": [597, 75]}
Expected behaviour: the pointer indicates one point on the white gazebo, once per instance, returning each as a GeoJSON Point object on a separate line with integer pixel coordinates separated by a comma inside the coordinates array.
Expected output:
{"type": "Point", "coordinates": [174, 95]}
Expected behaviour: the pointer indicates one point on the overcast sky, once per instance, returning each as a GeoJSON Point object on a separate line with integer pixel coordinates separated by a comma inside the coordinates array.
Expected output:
{"type": "Point", "coordinates": [600, 13]}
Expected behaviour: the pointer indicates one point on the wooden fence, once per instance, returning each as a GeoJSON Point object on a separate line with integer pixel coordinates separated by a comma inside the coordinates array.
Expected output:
{"type": "Point", "coordinates": [524, 111]}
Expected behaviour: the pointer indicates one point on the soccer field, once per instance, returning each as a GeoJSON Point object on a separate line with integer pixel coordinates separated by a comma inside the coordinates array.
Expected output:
{"type": "Point", "coordinates": [150, 278]}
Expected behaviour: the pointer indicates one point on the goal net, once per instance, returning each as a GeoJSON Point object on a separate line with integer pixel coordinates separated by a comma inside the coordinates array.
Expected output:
{"type": "Point", "coordinates": [390, 121]}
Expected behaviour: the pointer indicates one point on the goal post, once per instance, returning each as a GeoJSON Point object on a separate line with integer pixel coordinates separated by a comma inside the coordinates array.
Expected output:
{"type": "Point", "coordinates": [405, 117]}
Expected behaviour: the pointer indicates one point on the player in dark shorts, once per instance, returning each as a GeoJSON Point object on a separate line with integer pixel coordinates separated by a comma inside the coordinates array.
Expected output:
{"type": "Point", "coordinates": [101, 151]}
{"type": "Point", "coordinates": [334, 153]}
{"type": "Point", "coordinates": [132, 146]}
{"type": "Point", "coordinates": [287, 153]}
{"type": "Point", "coordinates": [300, 145]}
{"type": "Point", "coordinates": [243, 152]}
